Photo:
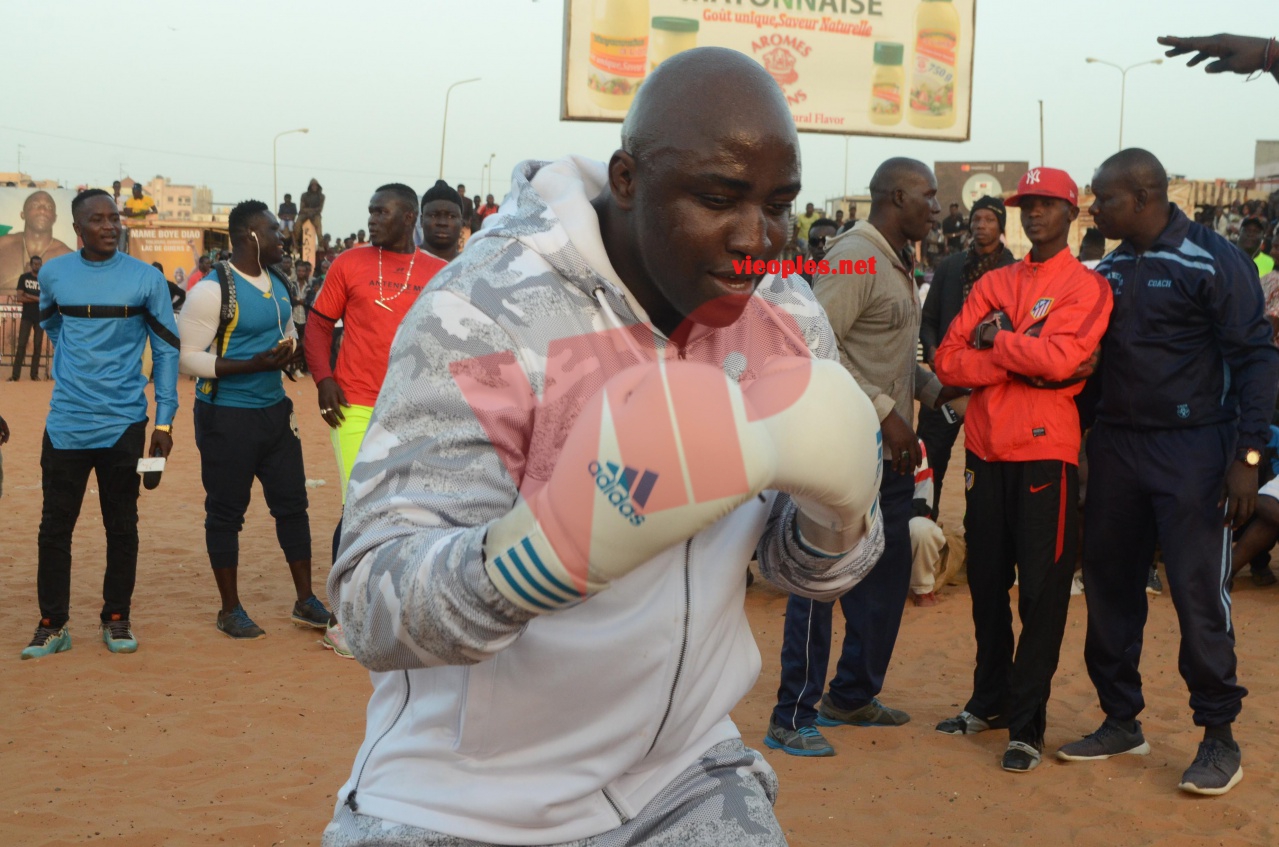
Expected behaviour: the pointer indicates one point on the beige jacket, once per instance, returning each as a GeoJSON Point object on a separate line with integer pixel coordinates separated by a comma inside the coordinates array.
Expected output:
{"type": "Point", "coordinates": [876, 322]}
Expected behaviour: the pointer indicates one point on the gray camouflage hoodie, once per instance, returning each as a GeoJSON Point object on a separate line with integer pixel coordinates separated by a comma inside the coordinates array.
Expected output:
{"type": "Point", "coordinates": [486, 722]}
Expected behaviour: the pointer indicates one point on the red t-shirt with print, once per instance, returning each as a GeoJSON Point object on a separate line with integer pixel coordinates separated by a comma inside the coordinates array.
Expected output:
{"type": "Point", "coordinates": [370, 313]}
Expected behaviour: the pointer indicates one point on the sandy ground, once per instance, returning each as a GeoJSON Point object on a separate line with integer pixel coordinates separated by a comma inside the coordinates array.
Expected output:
{"type": "Point", "coordinates": [199, 740]}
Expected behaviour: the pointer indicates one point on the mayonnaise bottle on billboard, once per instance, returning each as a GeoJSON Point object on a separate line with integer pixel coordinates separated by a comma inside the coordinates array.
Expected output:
{"type": "Point", "coordinates": [932, 81]}
{"type": "Point", "coordinates": [619, 51]}
{"type": "Point", "coordinates": [671, 36]}
{"type": "Point", "coordinates": [887, 83]}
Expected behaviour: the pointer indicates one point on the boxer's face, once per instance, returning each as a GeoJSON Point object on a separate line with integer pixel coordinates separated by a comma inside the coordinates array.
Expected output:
{"type": "Point", "coordinates": [703, 203]}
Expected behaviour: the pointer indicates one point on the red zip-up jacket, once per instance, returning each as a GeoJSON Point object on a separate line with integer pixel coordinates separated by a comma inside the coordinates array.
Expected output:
{"type": "Point", "coordinates": [1009, 420]}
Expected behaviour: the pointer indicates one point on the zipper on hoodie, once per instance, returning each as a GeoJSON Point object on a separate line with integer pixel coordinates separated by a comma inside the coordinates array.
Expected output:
{"type": "Point", "coordinates": [683, 647]}
{"type": "Point", "coordinates": [617, 810]}
{"type": "Point", "coordinates": [350, 795]}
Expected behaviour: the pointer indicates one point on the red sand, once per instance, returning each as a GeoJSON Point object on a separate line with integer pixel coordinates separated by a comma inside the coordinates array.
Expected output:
{"type": "Point", "coordinates": [197, 739]}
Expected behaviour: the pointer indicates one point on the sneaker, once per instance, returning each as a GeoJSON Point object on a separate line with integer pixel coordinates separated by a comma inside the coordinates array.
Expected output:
{"type": "Point", "coordinates": [48, 641]}
{"type": "Point", "coordinates": [966, 723]}
{"type": "Point", "coordinates": [873, 713]}
{"type": "Point", "coordinates": [1217, 768]}
{"type": "Point", "coordinates": [1154, 586]}
{"type": "Point", "coordinates": [1109, 740]}
{"type": "Point", "coordinates": [1077, 584]}
{"type": "Point", "coordinates": [1263, 576]}
{"type": "Point", "coordinates": [311, 612]}
{"type": "Point", "coordinates": [928, 598]}
{"type": "Point", "coordinates": [237, 624]}
{"type": "Point", "coordinates": [1020, 757]}
{"type": "Point", "coordinates": [117, 635]}
{"type": "Point", "coordinates": [335, 639]}
{"type": "Point", "coordinates": [805, 741]}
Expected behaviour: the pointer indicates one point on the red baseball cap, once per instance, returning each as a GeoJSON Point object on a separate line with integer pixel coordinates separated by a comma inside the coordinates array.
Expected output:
{"type": "Point", "coordinates": [1045, 182]}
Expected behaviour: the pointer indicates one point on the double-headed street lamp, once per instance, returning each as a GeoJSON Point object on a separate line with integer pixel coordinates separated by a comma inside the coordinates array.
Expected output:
{"type": "Point", "coordinates": [1123, 84]}
{"type": "Point", "coordinates": [275, 178]}
{"type": "Point", "coordinates": [444, 129]}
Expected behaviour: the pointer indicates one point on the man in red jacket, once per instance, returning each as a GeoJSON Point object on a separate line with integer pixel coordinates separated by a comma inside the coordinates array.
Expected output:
{"type": "Point", "coordinates": [1024, 341]}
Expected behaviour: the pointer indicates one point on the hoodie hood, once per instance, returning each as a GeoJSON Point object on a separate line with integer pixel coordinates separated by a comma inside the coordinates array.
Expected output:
{"type": "Point", "coordinates": [548, 209]}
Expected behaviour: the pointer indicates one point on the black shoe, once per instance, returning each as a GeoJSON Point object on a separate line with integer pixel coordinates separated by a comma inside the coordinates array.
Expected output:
{"type": "Point", "coordinates": [237, 624]}
{"type": "Point", "coordinates": [966, 723]}
{"type": "Point", "coordinates": [1263, 576]}
{"type": "Point", "coordinates": [1217, 768]}
{"type": "Point", "coordinates": [311, 612]}
{"type": "Point", "coordinates": [1110, 739]}
{"type": "Point", "coordinates": [1020, 757]}
{"type": "Point", "coordinates": [873, 713]}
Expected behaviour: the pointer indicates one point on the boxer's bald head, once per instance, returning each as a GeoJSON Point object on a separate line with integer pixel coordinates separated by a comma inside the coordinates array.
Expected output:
{"type": "Point", "coordinates": [706, 174]}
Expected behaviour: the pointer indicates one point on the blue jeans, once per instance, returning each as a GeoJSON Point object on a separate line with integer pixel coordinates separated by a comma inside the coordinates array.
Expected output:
{"type": "Point", "coordinates": [872, 616]}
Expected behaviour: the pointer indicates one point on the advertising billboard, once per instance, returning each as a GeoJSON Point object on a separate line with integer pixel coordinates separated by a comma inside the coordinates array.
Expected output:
{"type": "Point", "coordinates": [965, 182]}
{"type": "Point", "coordinates": [850, 67]}
{"type": "Point", "coordinates": [176, 248]}
{"type": "Point", "coordinates": [33, 222]}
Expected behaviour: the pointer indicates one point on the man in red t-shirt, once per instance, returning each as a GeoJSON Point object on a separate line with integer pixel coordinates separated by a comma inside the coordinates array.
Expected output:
{"type": "Point", "coordinates": [488, 208]}
{"type": "Point", "coordinates": [369, 290]}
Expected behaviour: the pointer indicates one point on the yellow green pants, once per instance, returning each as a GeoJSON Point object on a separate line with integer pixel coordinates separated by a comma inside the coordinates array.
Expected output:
{"type": "Point", "coordinates": [347, 439]}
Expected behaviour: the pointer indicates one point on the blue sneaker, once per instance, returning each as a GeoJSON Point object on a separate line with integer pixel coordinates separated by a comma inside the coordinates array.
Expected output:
{"type": "Point", "coordinates": [238, 625]}
{"type": "Point", "coordinates": [118, 637]}
{"type": "Point", "coordinates": [311, 612]}
{"type": "Point", "coordinates": [48, 641]}
{"type": "Point", "coordinates": [805, 741]}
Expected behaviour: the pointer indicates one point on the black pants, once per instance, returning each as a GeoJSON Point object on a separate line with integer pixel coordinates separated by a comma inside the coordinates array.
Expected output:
{"type": "Point", "coordinates": [1022, 522]}
{"type": "Point", "coordinates": [1143, 487]}
{"type": "Point", "coordinates": [237, 445]}
{"type": "Point", "coordinates": [64, 475]}
{"type": "Point", "coordinates": [939, 440]}
{"type": "Point", "coordinates": [25, 329]}
{"type": "Point", "coordinates": [872, 612]}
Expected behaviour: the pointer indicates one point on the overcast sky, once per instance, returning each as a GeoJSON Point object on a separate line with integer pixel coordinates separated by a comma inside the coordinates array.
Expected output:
{"type": "Point", "coordinates": [196, 91]}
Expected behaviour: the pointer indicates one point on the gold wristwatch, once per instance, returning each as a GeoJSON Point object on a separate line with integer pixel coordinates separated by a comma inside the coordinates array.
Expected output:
{"type": "Point", "coordinates": [1250, 456]}
{"type": "Point", "coordinates": [168, 428]}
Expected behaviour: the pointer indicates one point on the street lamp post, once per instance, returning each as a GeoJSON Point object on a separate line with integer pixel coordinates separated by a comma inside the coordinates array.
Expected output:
{"type": "Point", "coordinates": [492, 156]}
{"type": "Point", "coordinates": [444, 129]}
{"type": "Point", "coordinates": [483, 170]}
{"type": "Point", "coordinates": [847, 138]}
{"type": "Point", "coordinates": [1123, 86]}
{"type": "Point", "coordinates": [275, 177]}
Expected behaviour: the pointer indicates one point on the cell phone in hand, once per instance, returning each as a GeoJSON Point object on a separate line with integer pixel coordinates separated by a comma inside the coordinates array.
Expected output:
{"type": "Point", "coordinates": [951, 416]}
{"type": "Point", "coordinates": [151, 468]}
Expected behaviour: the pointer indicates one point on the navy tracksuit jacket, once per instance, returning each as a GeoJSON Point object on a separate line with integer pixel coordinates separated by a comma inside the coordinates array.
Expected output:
{"type": "Point", "coordinates": [1188, 376]}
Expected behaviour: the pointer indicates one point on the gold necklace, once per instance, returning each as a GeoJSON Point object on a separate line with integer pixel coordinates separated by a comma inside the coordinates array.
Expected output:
{"type": "Point", "coordinates": [382, 300]}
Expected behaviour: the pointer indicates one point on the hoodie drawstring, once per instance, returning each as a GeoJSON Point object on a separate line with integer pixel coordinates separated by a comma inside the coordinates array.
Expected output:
{"type": "Point", "coordinates": [611, 317]}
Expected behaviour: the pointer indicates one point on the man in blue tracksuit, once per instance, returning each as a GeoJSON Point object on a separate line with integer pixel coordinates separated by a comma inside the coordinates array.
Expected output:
{"type": "Point", "coordinates": [1188, 380]}
{"type": "Point", "coordinates": [99, 308]}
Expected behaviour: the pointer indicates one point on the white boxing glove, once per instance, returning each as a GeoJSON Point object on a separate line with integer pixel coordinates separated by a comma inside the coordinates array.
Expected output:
{"type": "Point", "coordinates": [829, 452]}
{"type": "Point", "coordinates": [667, 449]}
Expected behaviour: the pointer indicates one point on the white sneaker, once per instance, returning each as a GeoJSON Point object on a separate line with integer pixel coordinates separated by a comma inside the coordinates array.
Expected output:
{"type": "Point", "coordinates": [335, 639]}
{"type": "Point", "coordinates": [1077, 585]}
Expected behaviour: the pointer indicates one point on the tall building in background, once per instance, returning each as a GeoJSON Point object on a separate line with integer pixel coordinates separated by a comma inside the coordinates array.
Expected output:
{"type": "Point", "coordinates": [178, 202]}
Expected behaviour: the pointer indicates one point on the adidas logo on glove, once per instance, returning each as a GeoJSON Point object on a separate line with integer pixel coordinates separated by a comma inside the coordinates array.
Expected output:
{"type": "Point", "coordinates": [624, 486]}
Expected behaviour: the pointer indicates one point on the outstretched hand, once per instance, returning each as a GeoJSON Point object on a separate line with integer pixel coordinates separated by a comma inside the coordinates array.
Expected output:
{"type": "Point", "coordinates": [1240, 54]}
